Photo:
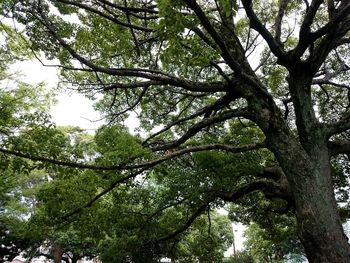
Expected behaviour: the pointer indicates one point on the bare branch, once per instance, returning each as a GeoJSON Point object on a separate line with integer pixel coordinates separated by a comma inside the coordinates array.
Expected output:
{"type": "Point", "coordinates": [133, 106]}
{"type": "Point", "coordinates": [131, 85]}
{"type": "Point", "coordinates": [325, 81]}
{"type": "Point", "coordinates": [225, 100]}
{"type": "Point", "coordinates": [131, 29]}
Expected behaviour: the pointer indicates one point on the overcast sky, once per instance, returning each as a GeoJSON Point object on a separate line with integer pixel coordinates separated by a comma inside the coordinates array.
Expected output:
{"type": "Point", "coordinates": [71, 108]}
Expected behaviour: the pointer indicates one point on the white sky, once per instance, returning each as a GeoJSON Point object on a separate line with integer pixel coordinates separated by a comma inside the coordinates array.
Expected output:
{"type": "Point", "coordinates": [71, 108]}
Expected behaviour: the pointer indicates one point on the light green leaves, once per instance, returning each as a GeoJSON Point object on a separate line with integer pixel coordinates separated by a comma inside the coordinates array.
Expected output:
{"type": "Point", "coordinates": [230, 7]}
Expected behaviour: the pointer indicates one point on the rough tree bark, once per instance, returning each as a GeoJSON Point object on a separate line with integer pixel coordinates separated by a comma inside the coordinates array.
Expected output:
{"type": "Point", "coordinates": [306, 164]}
{"type": "Point", "coordinates": [57, 252]}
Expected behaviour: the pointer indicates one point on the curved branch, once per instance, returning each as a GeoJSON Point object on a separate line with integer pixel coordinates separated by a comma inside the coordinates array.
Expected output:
{"type": "Point", "coordinates": [131, 107]}
{"type": "Point", "coordinates": [333, 23]}
{"type": "Point", "coordinates": [199, 126]}
{"type": "Point", "coordinates": [228, 148]}
{"type": "Point", "coordinates": [103, 193]}
{"type": "Point", "coordinates": [256, 24]}
{"type": "Point", "coordinates": [270, 188]}
{"type": "Point", "coordinates": [325, 81]}
{"type": "Point", "coordinates": [278, 21]}
{"type": "Point", "coordinates": [153, 75]}
{"type": "Point", "coordinates": [225, 100]}
{"type": "Point", "coordinates": [338, 127]}
{"type": "Point", "coordinates": [265, 185]}
{"type": "Point", "coordinates": [226, 50]}
{"type": "Point", "coordinates": [215, 36]}
{"type": "Point", "coordinates": [111, 18]}
{"type": "Point", "coordinates": [339, 147]}
{"type": "Point", "coordinates": [130, 9]}
{"type": "Point", "coordinates": [304, 33]}
{"type": "Point", "coordinates": [187, 224]}
{"type": "Point", "coordinates": [126, 166]}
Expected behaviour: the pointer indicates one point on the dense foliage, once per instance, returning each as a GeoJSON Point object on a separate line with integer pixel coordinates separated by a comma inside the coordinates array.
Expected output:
{"type": "Point", "coordinates": [243, 102]}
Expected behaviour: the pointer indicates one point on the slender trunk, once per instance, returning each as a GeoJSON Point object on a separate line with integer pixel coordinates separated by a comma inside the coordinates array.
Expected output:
{"type": "Point", "coordinates": [75, 259]}
{"type": "Point", "coordinates": [57, 253]}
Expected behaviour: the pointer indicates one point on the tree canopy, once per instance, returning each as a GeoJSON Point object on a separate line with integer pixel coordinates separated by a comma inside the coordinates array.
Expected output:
{"type": "Point", "coordinates": [233, 98]}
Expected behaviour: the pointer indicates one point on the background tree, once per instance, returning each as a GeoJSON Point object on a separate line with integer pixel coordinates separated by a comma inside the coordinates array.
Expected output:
{"type": "Point", "coordinates": [195, 68]}
{"type": "Point", "coordinates": [271, 234]}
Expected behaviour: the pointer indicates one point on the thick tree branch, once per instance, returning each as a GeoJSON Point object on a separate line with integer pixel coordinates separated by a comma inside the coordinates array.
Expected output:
{"type": "Point", "coordinates": [278, 20]}
{"type": "Point", "coordinates": [256, 24]}
{"type": "Point", "coordinates": [333, 24]}
{"type": "Point", "coordinates": [226, 53]}
{"type": "Point", "coordinates": [331, 9]}
{"type": "Point", "coordinates": [201, 35]}
{"type": "Point", "coordinates": [339, 147]}
{"type": "Point", "coordinates": [216, 37]}
{"type": "Point", "coordinates": [269, 187]}
{"type": "Point", "coordinates": [305, 29]}
{"type": "Point", "coordinates": [333, 32]}
{"type": "Point", "coordinates": [272, 182]}
{"type": "Point", "coordinates": [338, 127]}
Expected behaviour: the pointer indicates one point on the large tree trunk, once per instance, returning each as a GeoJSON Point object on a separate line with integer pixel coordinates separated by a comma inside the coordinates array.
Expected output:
{"type": "Point", "coordinates": [319, 224]}
{"type": "Point", "coordinates": [309, 175]}
{"type": "Point", "coordinates": [305, 161]}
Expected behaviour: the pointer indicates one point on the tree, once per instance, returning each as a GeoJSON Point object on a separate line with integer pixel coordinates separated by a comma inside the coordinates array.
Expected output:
{"type": "Point", "coordinates": [268, 246]}
{"type": "Point", "coordinates": [271, 233]}
{"type": "Point", "coordinates": [206, 241]}
{"type": "Point", "coordinates": [190, 68]}
{"type": "Point", "coordinates": [22, 107]}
